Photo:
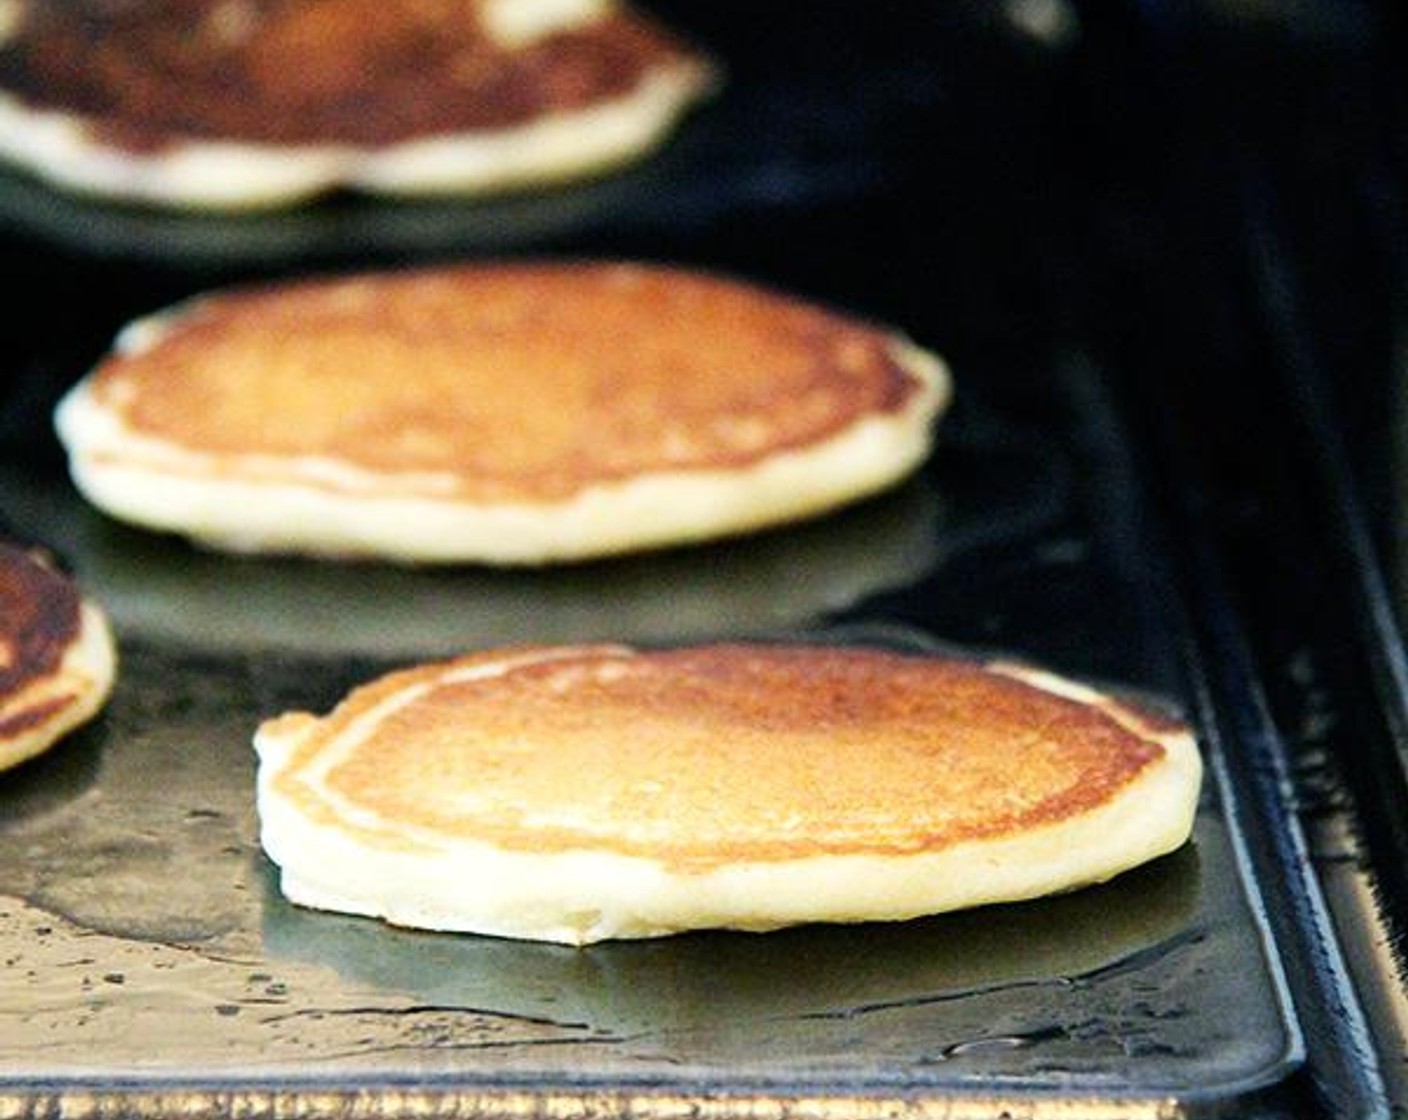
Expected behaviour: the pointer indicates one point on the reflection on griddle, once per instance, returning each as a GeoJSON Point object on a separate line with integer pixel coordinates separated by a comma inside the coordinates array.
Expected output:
{"type": "Point", "coordinates": [157, 587]}
{"type": "Point", "coordinates": [705, 980]}
{"type": "Point", "coordinates": [341, 228]}
{"type": "Point", "coordinates": [55, 782]}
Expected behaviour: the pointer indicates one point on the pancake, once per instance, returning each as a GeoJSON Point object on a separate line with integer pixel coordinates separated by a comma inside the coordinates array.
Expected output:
{"type": "Point", "coordinates": [511, 414]}
{"type": "Point", "coordinates": [231, 104]}
{"type": "Point", "coordinates": [579, 793]}
{"type": "Point", "coordinates": [56, 656]}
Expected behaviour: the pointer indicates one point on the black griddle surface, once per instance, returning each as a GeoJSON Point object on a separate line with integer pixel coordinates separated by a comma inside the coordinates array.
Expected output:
{"type": "Point", "coordinates": [141, 901]}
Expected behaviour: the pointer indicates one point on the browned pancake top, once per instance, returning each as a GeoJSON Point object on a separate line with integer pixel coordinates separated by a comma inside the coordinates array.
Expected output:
{"type": "Point", "coordinates": [365, 72]}
{"type": "Point", "coordinates": [522, 382]}
{"type": "Point", "coordinates": [39, 620]}
{"type": "Point", "coordinates": [721, 754]}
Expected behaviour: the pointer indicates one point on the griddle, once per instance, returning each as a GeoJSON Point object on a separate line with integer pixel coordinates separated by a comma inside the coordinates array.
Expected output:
{"type": "Point", "coordinates": [995, 181]}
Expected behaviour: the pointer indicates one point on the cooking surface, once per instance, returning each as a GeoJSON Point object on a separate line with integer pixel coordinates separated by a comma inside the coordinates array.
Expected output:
{"type": "Point", "coordinates": [145, 944]}
{"type": "Point", "coordinates": [146, 937]}
{"type": "Point", "coordinates": [146, 933]}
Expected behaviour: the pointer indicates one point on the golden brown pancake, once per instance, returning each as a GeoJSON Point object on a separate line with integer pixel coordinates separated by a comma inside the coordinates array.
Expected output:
{"type": "Point", "coordinates": [282, 98]}
{"type": "Point", "coordinates": [579, 793]}
{"type": "Point", "coordinates": [56, 659]}
{"type": "Point", "coordinates": [509, 413]}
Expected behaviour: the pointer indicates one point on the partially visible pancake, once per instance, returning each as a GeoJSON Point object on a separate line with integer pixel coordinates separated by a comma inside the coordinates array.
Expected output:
{"type": "Point", "coordinates": [56, 656]}
{"type": "Point", "coordinates": [577, 793]}
{"type": "Point", "coordinates": [501, 413]}
{"type": "Point", "coordinates": [244, 103]}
